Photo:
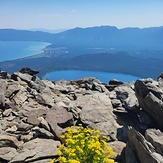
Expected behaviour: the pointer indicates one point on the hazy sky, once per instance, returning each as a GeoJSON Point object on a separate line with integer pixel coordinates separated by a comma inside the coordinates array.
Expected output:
{"type": "Point", "coordinates": [66, 14]}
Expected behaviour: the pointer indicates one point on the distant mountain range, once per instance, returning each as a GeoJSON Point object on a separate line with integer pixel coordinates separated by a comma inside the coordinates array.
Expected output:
{"type": "Point", "coordinates": [24, 35]}
{"type": "Point", "coordinates": [106, 48]}
{"type": "Point", "coordinates": [111, 37]}
{"type": "Point", "coordinates": [94, 37]}
{"type": "Point", "coordinates": [48, 30]}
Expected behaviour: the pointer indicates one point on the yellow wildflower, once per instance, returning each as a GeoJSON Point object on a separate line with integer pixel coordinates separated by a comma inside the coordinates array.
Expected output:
{"type": "Point", "coordinates": [84, 145]}
{"type": "Point", "coordinates": [59, 153]}
{"type": "Point", "coordinates": [62, 159]}
{"type": "Point", "coordinates": [73, 161]}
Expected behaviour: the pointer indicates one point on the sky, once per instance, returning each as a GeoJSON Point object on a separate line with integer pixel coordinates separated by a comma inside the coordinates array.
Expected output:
{"type": "Point", "coordinates": [67, 14]}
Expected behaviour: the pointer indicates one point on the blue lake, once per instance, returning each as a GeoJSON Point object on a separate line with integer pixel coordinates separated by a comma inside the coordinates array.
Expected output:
{"type": "Point", "coordinates": [10, 50]}
{"type": "Point", "coordinates": [78, 74]}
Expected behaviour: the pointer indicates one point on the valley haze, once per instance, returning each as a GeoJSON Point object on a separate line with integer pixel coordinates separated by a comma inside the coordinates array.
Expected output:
{"type": "Point", "coordinates": [135, 51]}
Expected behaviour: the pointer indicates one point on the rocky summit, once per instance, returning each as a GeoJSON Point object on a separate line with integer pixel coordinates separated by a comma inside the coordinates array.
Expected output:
{"type": "Point", "coordinates": [34, 114]}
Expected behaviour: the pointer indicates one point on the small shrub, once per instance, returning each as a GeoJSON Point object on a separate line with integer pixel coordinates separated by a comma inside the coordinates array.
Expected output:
{"type": "Point", "coordinates": [83, 145]}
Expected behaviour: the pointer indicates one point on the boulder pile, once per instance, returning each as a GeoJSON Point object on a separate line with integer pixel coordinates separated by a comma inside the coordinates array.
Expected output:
{"type": "Point", "coordinates": [34, 114]}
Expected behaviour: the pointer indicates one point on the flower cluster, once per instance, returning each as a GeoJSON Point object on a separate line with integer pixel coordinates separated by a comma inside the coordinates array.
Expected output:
{"type": "Point", "coordinates": [83, 145]}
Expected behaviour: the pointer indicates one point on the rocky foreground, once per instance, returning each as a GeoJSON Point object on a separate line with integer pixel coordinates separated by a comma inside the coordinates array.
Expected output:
{"type": "Point", "coordinates": [34, 113]}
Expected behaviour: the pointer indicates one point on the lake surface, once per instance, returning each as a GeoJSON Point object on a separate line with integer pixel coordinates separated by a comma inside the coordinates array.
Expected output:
{"type": "Point", "coordinates": [78, 74]}
{"type": "Point", "coordinates": [10, 50]}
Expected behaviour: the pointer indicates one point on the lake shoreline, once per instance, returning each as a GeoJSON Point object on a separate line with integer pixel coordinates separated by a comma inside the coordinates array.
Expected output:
{"type": "Point", "coordinates": [14, 50]}
{"type": "Point", "coordinates": [103, 76]}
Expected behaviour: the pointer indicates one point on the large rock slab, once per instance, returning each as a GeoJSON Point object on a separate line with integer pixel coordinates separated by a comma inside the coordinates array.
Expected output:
{"type": "Point", "coordinates": [33, 113]}
{"type": "Point", "coordinates": [96, 112]}
{"type": "Point", "coordinates": [46, 97]}
{"type": "Point", "coordinates": [29, 110]}
{"type": "Point", "coordinates": [140, 150]}
{"type": "Point", "coordinates": [155, 137]}
{"type": "Point", "coordinates": [150, 99]}
{"type": "Point", "coordinates": [25, 77]}
{"type": "Point", "coordinates": [36, 149]}
{"type": "Point", "coordinates": [58, 118]}
{"type": "Point", "coordinates": [8, 153]}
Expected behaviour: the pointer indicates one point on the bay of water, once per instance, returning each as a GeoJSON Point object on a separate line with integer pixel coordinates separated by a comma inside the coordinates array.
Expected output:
{"type": "Point", "coordinates": [10, 50]}
{"type": "Point", "coordinates": [78, 74]}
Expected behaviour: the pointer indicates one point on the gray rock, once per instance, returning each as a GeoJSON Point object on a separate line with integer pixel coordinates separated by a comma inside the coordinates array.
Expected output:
{"type": "Point", "coordinates": [112, 95]}
{"type": "Point", "coordinates": [96, 86]}
{"type": "Point", "coordinates": [115, 82]}
{"type": "Point", "coordinates": [118, 147]}
{"type": "Point", "coordinates": [130, 155]}
{"type": "Point", "coordinates": [7, 153]}
{"type": "Point", "coordinates": [145, 118]}
{"type": "Point", "coordinates": [62, 87]}
{"type": "Point", "coordinates": [116, 103]}
{"type": "Point", "coordinates": [44, 123]}
{"type": "Point", "coordinates": [11, 129]}
{"type": "Point", "coordinates": [144, 86]}
{"type": "Point", "coordinates": [142, 150]}
{"type": "Point", "coordinates": [33, 120]}
{"type": "Point", "coordinates": [36, 149]}
{"type": "Point", "coordinates": [9, 141]}
{"type": "Point", "coordinates": [126, 95]}
{"type": "Point", "coordinates": [23, 126]}
{"type": "Point", "coordinates": [131, 103]}
{"type": "Point", "coordinates": [32, 110]}
{"type": "Point", "coordinates": [41, 132]}
{"type": "Point", "coordinates": [3, 86]}
{"type": "Point", "coordinates": [29, 71]}
{"type": "Point", "coordinates": [37, 84]}
{"type": "Point", "coordinates": [4, 124]}
{"type": "Point", "coordinates": [2, 99]}
{"type": "Point", "coordinates": [42, 161]}
{"type": "Point", "coordinates": [158, 157]}
{"type": "Point", "coordinates": [27, 137]}
{"type": "Point", "coordinates": [25, 77]}
{"type": "Point", "coordinates": [123, 92]}
{"type": "Point", "coordinates": [7, 112]}
{"type": "Point", "coordinates": [45, 97]}
{"type": "Point", "coordinates": [37, 110]}
{"type": "Point", "coordinates": [150, 99]}
{"type": "Point", "coordinates": [12, 88]}
{"type": "Point", "coordinates": [10, 118]}
{"type": "Point", "coordinates": [96, 112]}
{"type": "Point", "coordinates": [11, 105]}
{"type": "Point", "coordinates": [119, 109]}
{"type": "Point", "coordinates": [58, 115]}
{"type": "Point", "coordinates": [20, 97]}
{"type": "Point", "coordinates": [155, 137]}
{"type": "Point", "coordinates": [4, 75]}
{"type": "Point", "coordinates": [154, 107]}
{"type": "Point", "coordinates": [160, 81]}
{"type": "Point", "coordinates": [57, 118]}
{"type": "Point", "coordinates": [33, 114]}
{"type": "Point", "coordinates": [49, 84]}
